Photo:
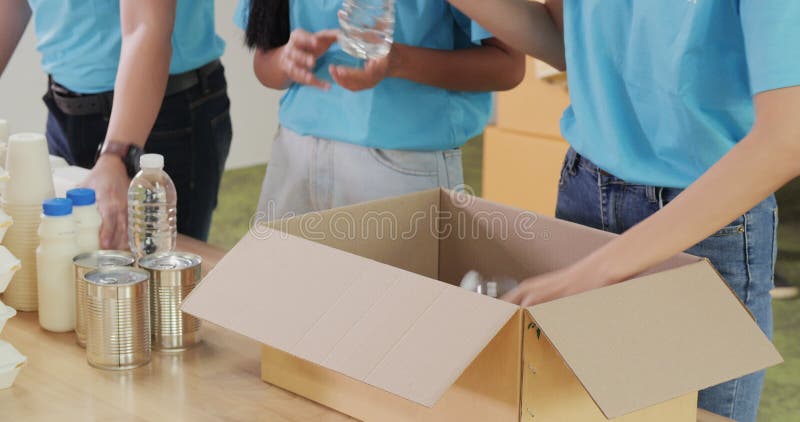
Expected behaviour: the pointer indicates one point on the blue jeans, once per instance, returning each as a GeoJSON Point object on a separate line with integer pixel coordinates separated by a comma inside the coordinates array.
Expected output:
{"type": "Point", "coordinates": [192, 131]}
{"type": "Point", "coordinates": [743, 252]}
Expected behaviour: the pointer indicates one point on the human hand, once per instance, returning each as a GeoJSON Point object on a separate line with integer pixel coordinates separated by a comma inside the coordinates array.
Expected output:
{"type": "Point", "coordinates": [299, 56]}
{"type": "Point", "coordinates": [110, 181]}
{"type": "Point", "coordinates": [355, 79]}
{"type": "Point", "coordinates": [550, 286]}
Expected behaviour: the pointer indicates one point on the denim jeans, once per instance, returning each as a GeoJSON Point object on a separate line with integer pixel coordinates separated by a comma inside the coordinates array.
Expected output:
{"type": "Point", "coordinates": [312, 174]}
{"type": "Point", "coordinates": [743, 252]}
{"type": "Point", "coordinates": [192, 131]}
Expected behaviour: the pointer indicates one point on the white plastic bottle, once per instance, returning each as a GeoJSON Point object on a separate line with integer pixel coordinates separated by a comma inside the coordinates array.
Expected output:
{"type": "Point", "coordinates": [152, 209]}
{"type": "Point", "coordinates": [57, 246]}
{"type": "Point", "coordinates": [87, 217]}
{"type": "Point", "coordinates": [477, 283]}
{"type": "Point", "coordinates": [367, 28]}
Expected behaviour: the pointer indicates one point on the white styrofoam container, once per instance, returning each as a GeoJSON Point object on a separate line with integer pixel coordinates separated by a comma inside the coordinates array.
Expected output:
{"type": "Point", "coordinates": [6, 313]}
{"type": "Point", "coordinates": [11, 362]}
{"type": "Point", "coordinates": [5, 223]}
{"type": "Point", "coordinates": [9, 264]}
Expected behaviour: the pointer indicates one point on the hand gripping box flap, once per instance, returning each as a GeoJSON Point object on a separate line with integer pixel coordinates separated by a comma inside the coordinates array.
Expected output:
{"type": "Point", "coordinates": [395, 330]}
{"type": "Point", "coordinates": [655, 338]}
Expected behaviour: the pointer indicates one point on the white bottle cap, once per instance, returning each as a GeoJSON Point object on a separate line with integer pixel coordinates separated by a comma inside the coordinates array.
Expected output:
{"type": "Point", "coordinates": [491, 289]}
{"type": "Point", "coordinates": [3, 131]}
{"type": "Point", "coordinates": [471, 281]}
{"type": "Point", "coordinates": [151, 161]}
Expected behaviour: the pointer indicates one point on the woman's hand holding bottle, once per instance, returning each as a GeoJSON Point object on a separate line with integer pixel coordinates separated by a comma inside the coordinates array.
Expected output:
{"type": "Point", "coordinates": [299, 56]}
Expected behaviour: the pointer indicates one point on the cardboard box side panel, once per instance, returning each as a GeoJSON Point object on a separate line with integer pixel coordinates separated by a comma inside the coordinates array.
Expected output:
{"type": "Point", "coordinates": [522, 170]}
{"type": "Point", "coordinates": [534, 106]}
{"type": "Point", "coordinates": [705, 416]}
{"type": "Point", "coordinates": [552, 392]}
{"type": "Point", "coordinates": [487, 390]}
{"type": "Point", "coordinates": [396, 231]}
{"type": "Point", "coordinates": [655, 338]}
{"type": "Point", "coordinates": [505, 242]}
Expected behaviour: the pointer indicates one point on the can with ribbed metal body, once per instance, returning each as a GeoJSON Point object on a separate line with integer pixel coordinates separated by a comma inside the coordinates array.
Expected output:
{"type": "Point", "coordinates": [118, 318]}
{"type": "Point", "coordinates": [83, 264]}
{"type": "Point", "coordinates": [173, 275]}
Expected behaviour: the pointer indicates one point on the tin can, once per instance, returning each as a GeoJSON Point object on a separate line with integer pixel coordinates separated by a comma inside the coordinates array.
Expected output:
{"type": "Point", "coordinates": [117, 318]}
{"type": "Point", "coordinates": [173, 275]}
{"type": "Point", "coordinates": [83, 264]}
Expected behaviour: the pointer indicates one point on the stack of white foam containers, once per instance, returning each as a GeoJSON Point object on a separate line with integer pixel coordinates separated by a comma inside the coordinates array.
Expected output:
{"type": "Point", "coordinates": [11, 361]}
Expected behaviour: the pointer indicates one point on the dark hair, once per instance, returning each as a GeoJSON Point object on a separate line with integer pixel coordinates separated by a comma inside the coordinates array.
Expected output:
{"type": "Point", "coordinates": [268, 24]}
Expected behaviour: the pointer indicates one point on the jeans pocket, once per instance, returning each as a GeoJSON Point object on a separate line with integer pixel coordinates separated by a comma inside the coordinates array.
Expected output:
{"type": "Point", "coordinates": [737, 228]}
{"type": "Point", "coordinates": [412, 163]}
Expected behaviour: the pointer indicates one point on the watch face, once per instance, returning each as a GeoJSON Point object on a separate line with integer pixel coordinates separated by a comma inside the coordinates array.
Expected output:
{"type": "Point", "coordinates": [134, 153]}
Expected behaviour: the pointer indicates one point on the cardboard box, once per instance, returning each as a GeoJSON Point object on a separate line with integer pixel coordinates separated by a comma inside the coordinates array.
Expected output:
{"type": "Point", "coordinates": [703, 416]}
{"type": "Point", "coordinates": [534, 107]}
{"type": "Point", "coordinates": [349, 307]}
{"type": "Point", "coordinates": [522, 170]}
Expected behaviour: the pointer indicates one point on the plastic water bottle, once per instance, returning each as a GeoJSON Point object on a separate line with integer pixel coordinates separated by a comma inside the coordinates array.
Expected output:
{"type": "Point", "coordinates": [367, 28]}
{"type": "Point", "coordinates": [152, 200]}
{"type": "Point", "coordinates": [55, 276]}
{"type": "Point", "coordinates": [84, 208]}
{"type": "Point", "coordinates": [495, 288]}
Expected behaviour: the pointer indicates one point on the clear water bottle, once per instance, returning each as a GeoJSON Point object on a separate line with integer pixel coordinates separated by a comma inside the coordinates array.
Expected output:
{"type": "Point", "coordinates": [152, 200]}
{"type": "Point", "coordinates": [367, 28]}
{"type": "Point", "coordinates": [476, 282]}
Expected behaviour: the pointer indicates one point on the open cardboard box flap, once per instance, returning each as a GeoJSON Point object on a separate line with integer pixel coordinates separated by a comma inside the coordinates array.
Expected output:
{"type": "Point", "coordinates": [372, 310]}
{"type": "Point", "coordinates": [387, 327]}
{"type": "Point", "coordinates": [641, 342]}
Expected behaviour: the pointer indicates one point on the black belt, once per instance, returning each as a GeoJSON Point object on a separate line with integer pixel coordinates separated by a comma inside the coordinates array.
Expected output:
{"type": "Point", "coordinates": [75, 104]}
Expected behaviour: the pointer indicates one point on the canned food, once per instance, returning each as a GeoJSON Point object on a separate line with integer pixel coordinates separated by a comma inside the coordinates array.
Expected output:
{"type": "Point", "coordinates": [84, 263]}
{"type": "Point", "coordinates": [173, 275]}
{"type": "Point", "coordinates": [117, 318]}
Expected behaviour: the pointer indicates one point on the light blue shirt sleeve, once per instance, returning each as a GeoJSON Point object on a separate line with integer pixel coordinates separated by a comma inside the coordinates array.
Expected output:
{"type": "Point", "coordinates": [771, 33]}
{"type": "Point", "coordinates": [241, 14]}
{"type": "Point", "coordinates": [476, 32]}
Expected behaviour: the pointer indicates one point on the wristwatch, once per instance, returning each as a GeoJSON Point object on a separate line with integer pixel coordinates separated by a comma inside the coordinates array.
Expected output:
{"type": "Point", "coordinates": [128, 153]}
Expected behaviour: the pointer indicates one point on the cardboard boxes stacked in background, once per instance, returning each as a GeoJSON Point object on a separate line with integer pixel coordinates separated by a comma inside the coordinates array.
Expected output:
{"type": "Point", "coordinates": [351, 315]}
{"type": "Point", "coordinates": [524, 150]}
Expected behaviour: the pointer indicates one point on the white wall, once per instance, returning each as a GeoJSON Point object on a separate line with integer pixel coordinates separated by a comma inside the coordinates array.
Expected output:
{"type": "Point", "coordinates": [253, 108]}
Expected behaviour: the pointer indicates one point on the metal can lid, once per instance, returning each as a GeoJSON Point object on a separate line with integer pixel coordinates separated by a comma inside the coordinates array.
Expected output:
{"type": "Point", "coordinates": [170, 261]}
{"type": "Point", "coordinates": [116, 276]}
{"type": "Point", "coordinates": [98, 259]}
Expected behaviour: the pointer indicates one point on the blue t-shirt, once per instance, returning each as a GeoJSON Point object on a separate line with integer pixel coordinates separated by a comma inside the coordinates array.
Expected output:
{"type": "Point", "coordinates": [397, 114]}
{"type": "Point", "coordinates": [80, 40]}
{"type": "Point", "coordinates": [662, 89]}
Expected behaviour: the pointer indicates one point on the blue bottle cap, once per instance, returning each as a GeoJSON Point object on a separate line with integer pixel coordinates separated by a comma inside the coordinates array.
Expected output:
{"type": "Point", "coordinates": [81, 196]}
{"type": "Point", "coordinates": [57, 207]}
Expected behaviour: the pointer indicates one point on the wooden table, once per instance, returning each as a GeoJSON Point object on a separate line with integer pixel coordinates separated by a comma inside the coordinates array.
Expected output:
{"type": "Point", "coordinates": [218, 379]}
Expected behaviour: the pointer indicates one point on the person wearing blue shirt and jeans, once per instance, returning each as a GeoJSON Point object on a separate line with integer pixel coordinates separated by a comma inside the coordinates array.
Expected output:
{"type": "Point", "coordinates": [391, 127]}
{"type": "Point", "coordinates": [127, 76]}
{"type": "Point", "coordinates": [683, 122]}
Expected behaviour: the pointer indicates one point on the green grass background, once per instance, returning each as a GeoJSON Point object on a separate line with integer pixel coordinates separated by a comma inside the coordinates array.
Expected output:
{"type": "Point", "coordinates": [781, 399]}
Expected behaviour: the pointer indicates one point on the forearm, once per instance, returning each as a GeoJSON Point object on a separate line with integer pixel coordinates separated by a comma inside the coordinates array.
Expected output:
{"type": "Point", "coordinates": [759, 165]}
{"type": "Point", "coordinates": [491, 67]}
{"type": "Point", "coordinates": [526, 26]}
{"type": "Point", "coordinates": [267, 69]}
{"type": "Point", "coordinates": [143, 71]}
{"type": "Point", "coordinates": [14, 17]}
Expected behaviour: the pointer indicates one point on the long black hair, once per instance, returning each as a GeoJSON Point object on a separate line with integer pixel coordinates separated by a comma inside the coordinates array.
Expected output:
{"type": "Point", "coordinates": [268, 24]}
